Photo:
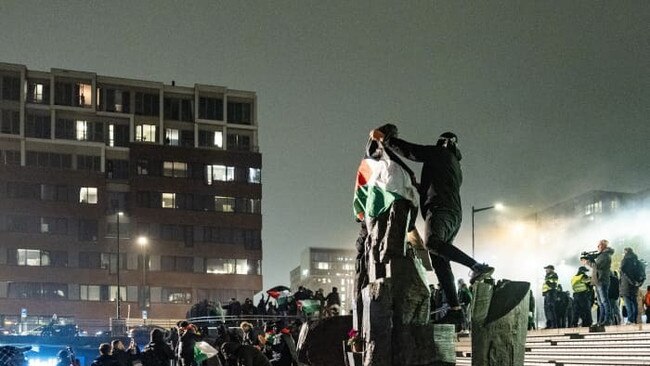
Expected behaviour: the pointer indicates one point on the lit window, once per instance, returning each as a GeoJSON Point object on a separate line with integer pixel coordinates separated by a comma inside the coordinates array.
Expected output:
{"type": "Point", "coordinates": [254, 175]}
{"type": "Point", "coordinates": [242, 266]}
{"type": "Point", "coordinates": [220, 266]}
{"type": "Point", "coordinates": [218, 139]}
{"type": "Point", "coordinates": [88, 195]}
{"type": "Point", "coordinates": [82, 130]}
{"type": "Point", "coordinates": [224, 204]}
{"type": "Point", "coordinates": [38, 93]}
{"type": "Point", "coordinates": [348, 267]}
{"type": "Point", "coordinates": [111, 135]}
{"type": "Point", "coordinates": [145, 133]}
{"type": "Point", "coordinates": [613, 205]}
{"type": "Point", "coordinates": [33, 257]}
{"type": "Point", "coordinates": [112, 293]}
{"type": "Point", "coordinates": [169, 200]}
{"type": "Point", "coordinates": [85, 95]}
{"type": "Point", "coordinates": [322, 265]}
{"type": "Point", "coordinates": [598, 207]}
{"type": "Point", "coordinates": [177, 296]}
{"type": "Point", "coordinates": [220, 173]}
{"type": "Point", "coordinates": [89, 292]}
{"type": "Point", "coordinates": [175, 169]}
{"type": "Point", "coordinates": [171, 137]}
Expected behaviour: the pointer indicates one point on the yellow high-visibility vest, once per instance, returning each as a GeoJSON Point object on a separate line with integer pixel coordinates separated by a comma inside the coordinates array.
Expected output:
{"type": "Point", "coordinates": [550, 282]}
{"type": "Point", "coordinates": [578, 283]}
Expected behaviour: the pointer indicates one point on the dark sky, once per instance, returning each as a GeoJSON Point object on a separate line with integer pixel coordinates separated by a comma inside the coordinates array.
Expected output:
{"type": "Point", "coordinates": [549, 98]}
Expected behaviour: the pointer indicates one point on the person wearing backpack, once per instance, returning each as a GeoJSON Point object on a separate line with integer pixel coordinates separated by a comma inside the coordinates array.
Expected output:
{"type": "Point", "coordinates": [632, 277]}
{"type": "Point", "coordinates": [157, 352]}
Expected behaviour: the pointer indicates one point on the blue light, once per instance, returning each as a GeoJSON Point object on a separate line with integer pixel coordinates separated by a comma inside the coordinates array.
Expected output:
{"type": "Point", "coordinates": [42, 362]}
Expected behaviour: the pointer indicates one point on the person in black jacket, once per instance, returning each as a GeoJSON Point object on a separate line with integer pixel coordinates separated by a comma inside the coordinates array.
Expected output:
{"type": "Point", "coordinates": [244, 355]}
{"type": "Point", "coordinates": [440, 205]}
{"type": "Point", "coordinates": [613, 295]}
{"type": "Point", "coordinates": [629, 289]}
{"type": "Point", "coordinates": [157, 352]}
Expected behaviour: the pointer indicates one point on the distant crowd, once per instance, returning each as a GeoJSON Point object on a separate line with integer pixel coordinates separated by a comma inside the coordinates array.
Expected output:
{"type": "Point", "coordinates": [303, 302]}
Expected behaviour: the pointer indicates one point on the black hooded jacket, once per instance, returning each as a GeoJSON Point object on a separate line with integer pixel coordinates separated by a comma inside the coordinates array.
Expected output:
{"type": "Point", "coordinates": [245, 355]}
{"type": "Point", "coordinates": [441, 176]}
{"type": "Point", "coordinates": [105, 360]}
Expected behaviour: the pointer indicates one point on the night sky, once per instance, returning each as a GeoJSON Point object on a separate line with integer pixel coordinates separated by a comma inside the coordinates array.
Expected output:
{"type": "Point", "coordinates": [549, 98]}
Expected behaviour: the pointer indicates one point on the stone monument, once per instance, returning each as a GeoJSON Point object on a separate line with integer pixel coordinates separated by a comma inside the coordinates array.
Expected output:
{"type": "Point", "coordinates": [499, 323]}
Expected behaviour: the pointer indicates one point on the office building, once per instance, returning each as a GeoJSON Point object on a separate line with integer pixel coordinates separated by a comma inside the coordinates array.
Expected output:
{"type": "Point", "coordinates": [326, 268]}
{"type": "Point", "coordinates": [96, 170]}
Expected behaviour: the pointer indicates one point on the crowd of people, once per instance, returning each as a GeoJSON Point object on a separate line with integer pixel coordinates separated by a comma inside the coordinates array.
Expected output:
{"type": "Point", "coordinates": [266, 343]}
{"type": "Point", "coordinates": [615, 294]}
{"type": "Point", "coordinates": [185, 345]}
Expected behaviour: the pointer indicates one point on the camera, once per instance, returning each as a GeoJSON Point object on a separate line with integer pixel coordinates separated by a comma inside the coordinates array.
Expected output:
{"type": "Point", "coordinates": [589, 256]}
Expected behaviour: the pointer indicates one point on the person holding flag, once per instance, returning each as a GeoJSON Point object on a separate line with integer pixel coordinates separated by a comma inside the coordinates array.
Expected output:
{"type": "Point", "coordinates": [440, 206]}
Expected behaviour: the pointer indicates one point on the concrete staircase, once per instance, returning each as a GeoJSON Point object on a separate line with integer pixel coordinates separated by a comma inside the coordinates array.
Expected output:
{"type": "Point", "coordinates": [618, 345]}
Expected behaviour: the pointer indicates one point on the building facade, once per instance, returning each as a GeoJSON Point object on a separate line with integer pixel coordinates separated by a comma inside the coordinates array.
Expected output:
{"type": "Point", "coordinates": [107, 180]}
{"type": "Point", "coordinates": [326, 268]}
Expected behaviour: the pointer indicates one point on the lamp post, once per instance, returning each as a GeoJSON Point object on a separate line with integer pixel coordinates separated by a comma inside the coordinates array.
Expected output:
{"type": "Point", "coordinates": [117, 299]}
{"type": "Point", "coordinates": [143, 241]}
{"type": "Point", "coordinates": [496, 206]}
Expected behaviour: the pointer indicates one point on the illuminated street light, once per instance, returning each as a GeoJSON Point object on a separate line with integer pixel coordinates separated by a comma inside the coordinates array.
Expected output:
{"type": "Point", "coordinates": [117, 300]}
{"type": "Point", "coordinates": [142, 242]}
{"type": "Point", "coordinates": [496, 206]}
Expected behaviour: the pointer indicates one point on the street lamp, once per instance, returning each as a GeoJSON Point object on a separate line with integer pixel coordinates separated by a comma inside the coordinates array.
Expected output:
{"type": "Point", "coordinates": [117, 300]}
{"type": "Point", "coordinates": [496, 206]}
{"type": "Point", "coordinates": [142, 242]}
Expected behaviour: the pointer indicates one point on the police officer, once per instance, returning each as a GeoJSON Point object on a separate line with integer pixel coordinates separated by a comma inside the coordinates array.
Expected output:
{"type": "Point", "coordinates": [549, 291]}
{"type": "Point", "coordinates": [581, 297]}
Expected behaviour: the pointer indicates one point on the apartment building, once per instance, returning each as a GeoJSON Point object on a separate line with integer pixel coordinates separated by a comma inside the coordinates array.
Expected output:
{"type": "Point", "coordinates": [107, 180]}
{"type": "Point", "coordinates": [326, 268]}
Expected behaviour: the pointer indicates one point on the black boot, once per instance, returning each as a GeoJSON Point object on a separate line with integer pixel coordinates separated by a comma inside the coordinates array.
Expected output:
{"type": "Point", "coordinates": [480, 271]}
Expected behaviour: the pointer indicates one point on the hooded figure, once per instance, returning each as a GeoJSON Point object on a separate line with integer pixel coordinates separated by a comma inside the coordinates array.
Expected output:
{"type": "Point", "coordinates": [157, 352]}
{"type": "Point", "coordinates": [629, 288]}
{"type": "Point", "coordinates": [441, 209]}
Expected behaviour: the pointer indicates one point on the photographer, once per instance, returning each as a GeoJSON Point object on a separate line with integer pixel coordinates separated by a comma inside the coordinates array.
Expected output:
{"type": "Point", "coordinates": [601, 265]}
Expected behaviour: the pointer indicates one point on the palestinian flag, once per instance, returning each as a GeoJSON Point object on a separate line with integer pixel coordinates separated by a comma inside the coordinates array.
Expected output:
{"type": "Point", "coordinates": [309, 306]}
{"type": "Point", "coordinates": [278, 291]}
{"type": "Point", "coordinates": [380, 181]}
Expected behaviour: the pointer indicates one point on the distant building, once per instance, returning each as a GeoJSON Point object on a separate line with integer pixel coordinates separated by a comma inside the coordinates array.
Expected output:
{"type": "Point", "coordinates": [180, 164]}
{"type": "Point", "coordinates": [589, 206]}
{"type": "Point", "coordinates": [326, 268]}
